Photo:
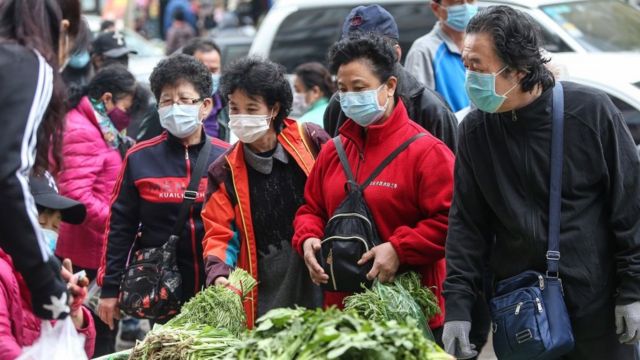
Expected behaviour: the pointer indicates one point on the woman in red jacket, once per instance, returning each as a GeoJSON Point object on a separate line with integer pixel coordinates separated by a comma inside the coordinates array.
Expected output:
{"type": "Point", "coordinates": [409, 200]}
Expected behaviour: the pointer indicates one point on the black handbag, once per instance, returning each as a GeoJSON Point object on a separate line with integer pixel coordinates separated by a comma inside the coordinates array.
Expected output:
{"type": "Point", "coordinates": [351, 231]}
{"type": "Point", "coordinates": [529, 316]}
{"type": "Point", "coordinates": [151, 285]}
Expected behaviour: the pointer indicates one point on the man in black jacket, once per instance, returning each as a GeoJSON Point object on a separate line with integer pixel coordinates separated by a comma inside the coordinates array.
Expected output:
{"type": "Point", "coordinates": [500, 205]}
{"type": "Point", "coordinates": [424, 106]}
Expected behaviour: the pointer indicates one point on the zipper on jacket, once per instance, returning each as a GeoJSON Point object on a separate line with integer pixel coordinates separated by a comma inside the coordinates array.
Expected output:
{"type": "Point", "coordinates": [514, 116]}
{"type": "Point", "coordinates": [530, 205]}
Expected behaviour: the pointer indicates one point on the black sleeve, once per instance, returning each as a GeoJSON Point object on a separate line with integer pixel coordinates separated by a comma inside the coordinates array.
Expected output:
{"type": "Point", "coordinates": [122, 227]}
{"type": "Point", "coordinates": [468, 239]}
{"type": "Point", "coordinates": [27, 83]}
{"type": "Point", "coordinates": [436, 117]}
{"type": "Point", "coordinates": [623, 166]}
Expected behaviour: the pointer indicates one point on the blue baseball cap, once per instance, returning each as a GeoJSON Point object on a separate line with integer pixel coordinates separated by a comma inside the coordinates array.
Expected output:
{"type": "Point", "coordinates": [370, 19]}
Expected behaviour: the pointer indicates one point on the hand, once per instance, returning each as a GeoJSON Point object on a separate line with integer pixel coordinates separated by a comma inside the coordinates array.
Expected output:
{"type": "Point", "coordinates": [455, 337]}
{"type": "Point", "coordinates": [628, 323]}
{"type": "Point", "coordinates": [385, 263]}
{"type": "Point", "coordinates": [77, 290]}
{"type": "Point", "coordinates": [310, 247]}
{"type": "Point", "coordinates": [108, 310]}
{"type": "Point", "coordinates": [221, 281]}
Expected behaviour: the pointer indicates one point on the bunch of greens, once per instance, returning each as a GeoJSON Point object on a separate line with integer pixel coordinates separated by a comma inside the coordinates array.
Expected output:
{"type": "Point", "coordinates": [403, 300]}
{"type": "Point", "coordinates": [219, 306]}
{"type": "Point", "coordinates": [190, 342]}
{"type": "Point", "coordinates": [284, 334]}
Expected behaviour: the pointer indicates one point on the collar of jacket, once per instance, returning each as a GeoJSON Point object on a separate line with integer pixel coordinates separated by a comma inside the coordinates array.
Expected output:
{"type": "Point", "coordinates": [175, 141]}
{"type": "Point", "coordinates": [537, 113]}
{"type": "Point", "coordinates": [376, 134]}
{"type": "Point", "coordinates": [408, 85]}
{"type": "Point", "coordinates": [85, 108]}
{"type": "Point", "coordinates": [292, 140]}
{"type": "Point", "coordinates": [446, 39]}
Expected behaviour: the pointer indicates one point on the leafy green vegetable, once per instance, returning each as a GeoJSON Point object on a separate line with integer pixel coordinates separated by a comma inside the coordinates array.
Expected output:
{"type": "Point", "coordinates": [190, 342]}
{"type": "Point", "coordinates": [403, 300]}
{"type": "Point", "coordinates": [219, 306]}
{"type": "Point", "coordinates": [285, 334]}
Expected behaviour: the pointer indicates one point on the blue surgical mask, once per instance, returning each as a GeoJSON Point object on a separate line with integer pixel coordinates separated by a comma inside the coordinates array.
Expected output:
{"type": "Point", "coordinates": [180, 120]}
{"type": "Point", "coordinates": [458, 16]}
{"type": "Point", "coordinates": [216, 83]}
{"type": "Point", "coordinates": [362, 106]}
{"type": "Point", "coordinates": [481, 89]}
{"type": "Point", "coordinates": [79, 60]}
{"type": "Point", "coordinates": [51, 237]}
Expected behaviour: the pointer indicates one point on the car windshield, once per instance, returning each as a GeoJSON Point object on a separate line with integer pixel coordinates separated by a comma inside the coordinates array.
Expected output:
{"type": "Point", "coordinates": [599, 25]}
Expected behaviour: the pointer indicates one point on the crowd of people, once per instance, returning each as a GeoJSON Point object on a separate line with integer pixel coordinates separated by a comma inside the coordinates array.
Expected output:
{"type": "Point", "coordinates": [207, 170]}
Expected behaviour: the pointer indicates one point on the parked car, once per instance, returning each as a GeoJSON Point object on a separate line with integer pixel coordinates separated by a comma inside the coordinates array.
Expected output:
{"type": "Point", "coordinates": [298, 31]}
{"type": "Point", "coordinates": [616, 74]}
{"type": "Point", "coordinates": [149, 52]}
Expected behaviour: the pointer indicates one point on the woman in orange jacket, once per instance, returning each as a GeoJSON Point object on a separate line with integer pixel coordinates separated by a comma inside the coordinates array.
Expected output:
{"type": "Point", "coordinates": [256, 188]}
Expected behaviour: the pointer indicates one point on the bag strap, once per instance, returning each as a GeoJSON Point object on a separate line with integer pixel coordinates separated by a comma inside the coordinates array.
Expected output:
{"type": "Point", "coordinates": [351, 181]}
{"type": "Point", "coordinates": [191, 193]}
{"type": "Point", "coordinates": [555, 181]}
{"type": "Point", "coordinates": [389, 159]}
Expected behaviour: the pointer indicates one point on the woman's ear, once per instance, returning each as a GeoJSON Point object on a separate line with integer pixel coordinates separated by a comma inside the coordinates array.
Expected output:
{"type": "Point", "coordinates": [392, 84]}
{"type": "Point", "coordinates": [205, 109]}
{"type": "Point", "coordinates": [275, 110]}
{"type": "Point", "coordinates": [107, 100]}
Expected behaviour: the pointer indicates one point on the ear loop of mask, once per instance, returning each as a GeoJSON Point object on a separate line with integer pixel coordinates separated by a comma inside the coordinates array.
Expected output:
{"type": "Point", "coordinates": [508, 91]}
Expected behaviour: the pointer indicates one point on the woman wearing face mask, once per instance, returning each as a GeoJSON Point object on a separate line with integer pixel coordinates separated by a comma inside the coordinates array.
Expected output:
{"type": "Point", "coordinates": [409, 199]}
{"type": "Point", "coordinates": [313, 88]}
{"type": "Point", "coordinates": [152, 182]}
{"type": "Point", "coordinates": [255, 190]}
{"type": "Point", "coordinates": [34, 38]}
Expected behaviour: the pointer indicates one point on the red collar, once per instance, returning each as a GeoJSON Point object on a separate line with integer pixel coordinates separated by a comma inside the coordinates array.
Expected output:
{"type": "Point", "coordinates": [379, 132]}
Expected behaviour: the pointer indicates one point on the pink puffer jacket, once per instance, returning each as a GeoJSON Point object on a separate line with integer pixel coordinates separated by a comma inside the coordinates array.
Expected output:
{"type": "Point", "coordinates": [88, 175]}
{"type": "Point", "coordinates": [19, 326]}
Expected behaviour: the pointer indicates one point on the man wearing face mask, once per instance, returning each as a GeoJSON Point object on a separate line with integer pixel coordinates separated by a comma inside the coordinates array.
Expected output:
{"type": "Point", "coordinates": [435, 58]}
{"type": "Point", "coordinates": [501, 196]}
{"type": "Point", "coordinates": [153, 180]}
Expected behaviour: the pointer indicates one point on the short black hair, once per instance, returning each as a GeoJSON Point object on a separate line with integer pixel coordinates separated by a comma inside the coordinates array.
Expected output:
{"type": "Point", "coordinates": [200, 44]}
{"type": "Point", "coordinates": [259, 77]}
{"type": "Point", "coordinates": [315, 74]}
{"type": "Point", "coordinates": [106, 24]}
{"type": "Point", "coordinates": [115, 79]}
{"type": "Point", "coordinates": [517, 40]}
{"type": "Point", "coordinates": [181, 67]}
{"type": "Point", "coordinates": [179, 15]}
{"type": "Point", "coordinates": [373, 48]}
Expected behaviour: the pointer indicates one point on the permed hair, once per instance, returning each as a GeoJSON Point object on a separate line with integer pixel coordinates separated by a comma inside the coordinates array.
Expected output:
{"type": "Point", "coordinates": [372, 48]}
{"type": "Point", "coordinates": [259, 77]}
{"type": "Point", "coordinates": [517, 42]}
{"type": "Point", "coordinates": [178, 68]}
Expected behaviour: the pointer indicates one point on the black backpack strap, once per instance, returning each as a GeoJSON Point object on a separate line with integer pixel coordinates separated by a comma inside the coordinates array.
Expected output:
{"type": "Point", "coordinates": [555, 181]}
{"type": "Point", "coordinates": [389, 159]}
{"type": "Point", "coordinates": [191, 193]}
{"type": "Point", "coordinates": [351, 180]}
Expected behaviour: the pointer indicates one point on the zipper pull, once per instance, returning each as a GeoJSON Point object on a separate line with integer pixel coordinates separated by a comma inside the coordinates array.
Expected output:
{"type": "Point", "coordinates": [514, 116]}
{"type": "Point", "coordinates": [186, 153]}
{"type": "Point", "coordinates": [539, 304]}
{"type": "Point", "coordinates": [518, 308]}
{"type": "Point", "coordinates": [541, 282]}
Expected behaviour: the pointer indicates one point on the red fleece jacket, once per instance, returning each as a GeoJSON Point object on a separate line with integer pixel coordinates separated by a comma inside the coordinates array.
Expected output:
{"type": "Point", "coordinates": [409, 200]}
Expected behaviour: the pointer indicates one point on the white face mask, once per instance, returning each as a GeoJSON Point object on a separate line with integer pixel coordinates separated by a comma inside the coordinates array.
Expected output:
{"type": "Point", "coordinates": [249, 128]}
{"type": "Point", "coordinates": [180, 120]}
{"type": "Point", "coordinates": [300, 105]}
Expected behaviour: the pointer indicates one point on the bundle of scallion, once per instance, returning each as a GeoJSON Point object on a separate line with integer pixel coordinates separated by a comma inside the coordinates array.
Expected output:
{"type": "Point", "coordinates": [219, 306]}
{"type": "Point", "coordinates": [403, 299]}
{"type": "Point", "coordinates": [189, 342]}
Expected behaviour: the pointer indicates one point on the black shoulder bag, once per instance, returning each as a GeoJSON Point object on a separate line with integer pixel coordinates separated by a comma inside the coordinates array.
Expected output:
{"type": "Point", "coordinates": [529, 316]}
{"type": "Point", "coordinates": [151, 286]}
{"type": "Point", "coordinates": [351, 231]}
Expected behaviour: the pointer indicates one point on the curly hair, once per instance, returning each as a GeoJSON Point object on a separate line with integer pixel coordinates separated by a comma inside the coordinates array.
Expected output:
{"type": "Point", "coordinates": [517, 41]}
{"type": "Point", "coordinates": [259, 77]}
{"type": "Point", "coordinates": [372, 48]}
{"type": "Point", "coordinates": [315, 74]}
{"type": "Point", "coordinates": [178, 68]}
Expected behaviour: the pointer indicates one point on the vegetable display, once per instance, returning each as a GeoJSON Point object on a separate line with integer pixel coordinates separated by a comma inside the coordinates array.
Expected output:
{"type": "Point", "coordinates": [219, 306]}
